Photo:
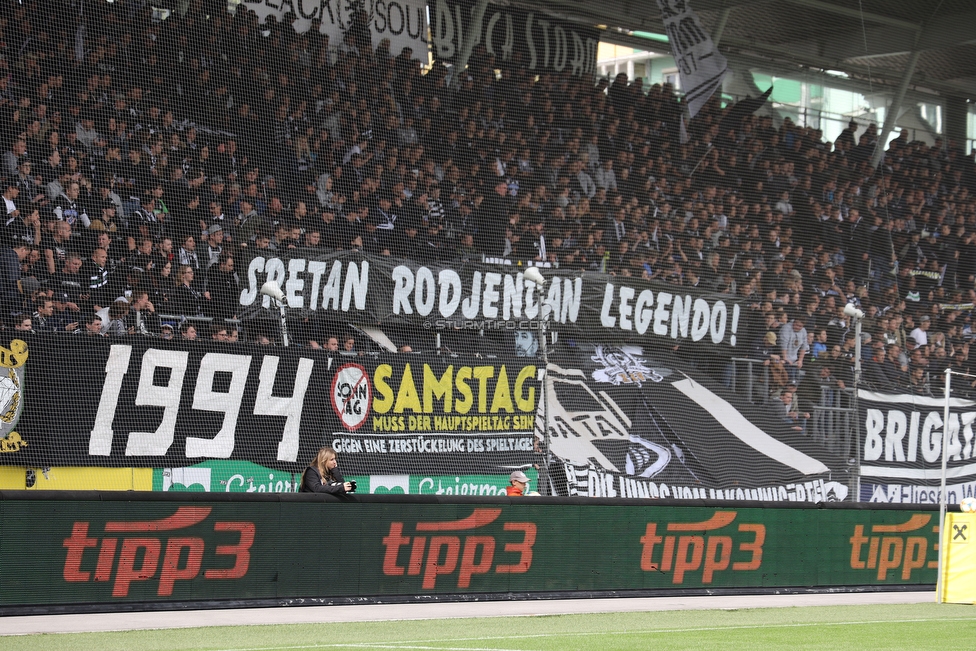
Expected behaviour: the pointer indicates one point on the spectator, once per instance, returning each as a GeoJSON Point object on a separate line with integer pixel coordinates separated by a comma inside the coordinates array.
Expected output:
{"type": "Point", "coordinates": [187, 255]}
{"type": "Point", "coordinates": [142, 319]}
{"type": "Point", "coordinates": [115, 325]}
{"type": "Point", "coordinates": [44, 320]}
{"type": "Point", "coordinates": [322, 475]}
{"type": "Point", "coordinates": [518, 484]}
{"type": "Point", "coordinates": [93, 326]}
{"type": "Point", "coordinates": [97, 279]}
{"type": "Point", "coordinates": [784, 408]}
{"type": "Point", "coordinates": [920, 334]}
{"type": "Point", "coordinates": [188, 332]}
{"type": "Point", "coordinates": [23, 325]}
{"type": "Point", "coordinates": [186, 300]}
{"type": "Point", "coordinates": [247, 222]}
{"type": "Point", "coordinates": [793, 345]}
{"type": "Point", "coordinates": [769, 353]}
{"type": "Point", "coordinates": [213, 237]}
{"type": "Point", "coordinates": [224, 287]}
{"type": "Point", "coordinates": [11, 292]}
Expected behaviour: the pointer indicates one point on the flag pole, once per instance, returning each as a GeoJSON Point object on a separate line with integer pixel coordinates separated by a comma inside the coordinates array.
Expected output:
{"type": "Point", "coordinates": [940, 585]}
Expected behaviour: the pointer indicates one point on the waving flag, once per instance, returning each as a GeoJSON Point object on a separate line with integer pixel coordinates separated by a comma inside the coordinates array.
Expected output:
{"type": "Point", "coordinates": [700, 65]}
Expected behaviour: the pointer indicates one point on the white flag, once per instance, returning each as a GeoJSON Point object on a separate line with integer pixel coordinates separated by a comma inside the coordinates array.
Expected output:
{"type": "Point", "coordinates": [683, 136]}
{"type": "Point", "coordinates": [700, 66]}
{"type": "Point", "coordinates": [80, 42]}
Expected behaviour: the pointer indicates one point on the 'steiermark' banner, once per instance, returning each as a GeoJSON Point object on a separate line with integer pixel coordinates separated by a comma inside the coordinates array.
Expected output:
{"type": "Point", "coordinates": [388, 291]}
{"type": "Point", "coordinates": [536, 41]}
{"type": "Point", "coordinates": [404, 22]}
{"type": "Point", "coordinates": [902, 448]}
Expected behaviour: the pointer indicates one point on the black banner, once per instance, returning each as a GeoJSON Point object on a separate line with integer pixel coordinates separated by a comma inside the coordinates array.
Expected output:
{"type": "Point", "coordinates": [470, 296]}
{"type": "Point", "coordinates": [536, 41]}
{"type": "Point", "coordinates": [154, 403]}
{"type": "Point", "coordinates": [627, 424]}
{"type": "Point", "coordinates": [901, 448]}
{"type": "Point", "coordinates": [620, 422]}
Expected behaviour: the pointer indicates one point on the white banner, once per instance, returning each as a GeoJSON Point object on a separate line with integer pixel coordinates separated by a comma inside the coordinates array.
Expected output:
{"type": "Point", "coordinates": [700, 65]}
{"type": "Point", "coordinates": [901, 447]}
{"type": "Point", "coordinates": [404, 22]}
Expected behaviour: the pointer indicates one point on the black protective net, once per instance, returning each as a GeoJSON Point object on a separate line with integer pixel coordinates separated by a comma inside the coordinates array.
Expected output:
{"type": "Point", "coordinates": [237, 233]}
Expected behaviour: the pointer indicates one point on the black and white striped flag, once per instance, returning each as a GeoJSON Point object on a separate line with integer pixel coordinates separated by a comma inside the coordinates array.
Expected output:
{"type": "Point", "coordinates": [700, 65]}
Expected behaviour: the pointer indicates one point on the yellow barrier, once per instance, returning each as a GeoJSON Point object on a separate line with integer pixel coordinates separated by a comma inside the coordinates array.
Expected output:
{"type": "Point", "coordinates": [79, 479]}
{"type": "Point", "coordinates": [959, 559]}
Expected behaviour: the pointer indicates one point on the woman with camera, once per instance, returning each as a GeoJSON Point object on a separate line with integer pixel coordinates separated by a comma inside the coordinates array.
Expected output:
{"type": "Point", "coordinates": [322, 476]}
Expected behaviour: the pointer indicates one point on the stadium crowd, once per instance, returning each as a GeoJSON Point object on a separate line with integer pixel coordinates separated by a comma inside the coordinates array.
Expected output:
{"type": "Point", "coordinates": [144, 163]}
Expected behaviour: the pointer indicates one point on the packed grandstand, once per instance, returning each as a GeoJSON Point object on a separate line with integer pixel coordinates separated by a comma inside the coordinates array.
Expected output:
{"type": "Point", "coordinates": [146, 172]}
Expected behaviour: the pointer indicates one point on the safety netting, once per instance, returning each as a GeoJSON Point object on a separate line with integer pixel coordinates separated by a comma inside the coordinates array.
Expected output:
{"type": "Point", "coordinates": [238, 232]}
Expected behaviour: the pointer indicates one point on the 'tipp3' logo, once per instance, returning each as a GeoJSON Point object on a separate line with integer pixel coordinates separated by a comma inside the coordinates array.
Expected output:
{"type": "Point", "coordinates": [146, 538]}
{"type": "Point", "coordinates": [700, 546]}
{"type": "Point", "coordinates": [888, 549]}
{"type": "Point", "coordinates": [442, 553]}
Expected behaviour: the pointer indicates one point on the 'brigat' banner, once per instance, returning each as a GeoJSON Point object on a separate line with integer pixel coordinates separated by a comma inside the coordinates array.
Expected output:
{"type": "Point", "coordinates": [901, 448]}
{"type": "Point", "coordinates": [535, 41]}
{"type": "Point", "coordinates": [404, 22]}
{"type": "Point", "coordinates": [700, 65]}
{"type": "Point", "coordinates": [468, 296]}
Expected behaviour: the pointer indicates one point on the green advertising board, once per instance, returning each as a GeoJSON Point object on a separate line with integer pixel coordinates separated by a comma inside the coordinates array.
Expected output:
{"type": "Point", "coordinates": [129, 549]}
{"type": "Point", "coordinates": [220, 476]}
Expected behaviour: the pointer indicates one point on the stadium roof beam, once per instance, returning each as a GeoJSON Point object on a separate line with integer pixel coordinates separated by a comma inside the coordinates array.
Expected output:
{"type": "Point", "coordinates": [944, 32]}
{"type": "Point", "coordinates": [719, 30]}
{"type": "Point", "coordinates": [888, 76]}
{"type": "Point", "coordinates": [894, 110]}
{"type": "Point", "coordinates": [850, 12]}
{"type": "Point", "coordinates": [776, 66]}
{"type": "Point", "coordinates": [941, 32]}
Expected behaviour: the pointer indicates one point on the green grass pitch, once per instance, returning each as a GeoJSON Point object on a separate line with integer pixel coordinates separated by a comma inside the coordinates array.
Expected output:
{"type": "Point", "coordinates": [914, 627]}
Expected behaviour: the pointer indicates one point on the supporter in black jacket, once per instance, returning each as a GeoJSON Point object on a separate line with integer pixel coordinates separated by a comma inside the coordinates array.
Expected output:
{"type": "Point", "coordinates": [322, 476]}
{"type": "Point", "coordinates": [224, 286]}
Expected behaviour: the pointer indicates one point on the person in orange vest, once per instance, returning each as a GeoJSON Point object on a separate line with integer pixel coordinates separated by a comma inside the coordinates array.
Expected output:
{"type": "Point", "coordinates": [519, 484]}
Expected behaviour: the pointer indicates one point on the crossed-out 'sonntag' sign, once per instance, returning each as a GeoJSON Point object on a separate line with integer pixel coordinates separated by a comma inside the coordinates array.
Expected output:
{"type": "Point", "coordinates": [147, 550]}
{"type": "Point", "coordinates": [431, 550]}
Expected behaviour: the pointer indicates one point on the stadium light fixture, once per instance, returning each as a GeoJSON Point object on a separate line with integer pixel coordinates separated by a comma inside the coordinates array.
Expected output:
{"type": "Point", "coordinates": [533, 274]}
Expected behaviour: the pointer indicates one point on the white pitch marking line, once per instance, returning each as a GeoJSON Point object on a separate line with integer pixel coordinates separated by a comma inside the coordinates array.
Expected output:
{"type": "Point", "coordinates": [656, 631]}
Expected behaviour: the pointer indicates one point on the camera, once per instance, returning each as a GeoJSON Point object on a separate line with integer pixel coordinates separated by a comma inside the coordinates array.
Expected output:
{"type": "Point", "coordinates": [353, 483]}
